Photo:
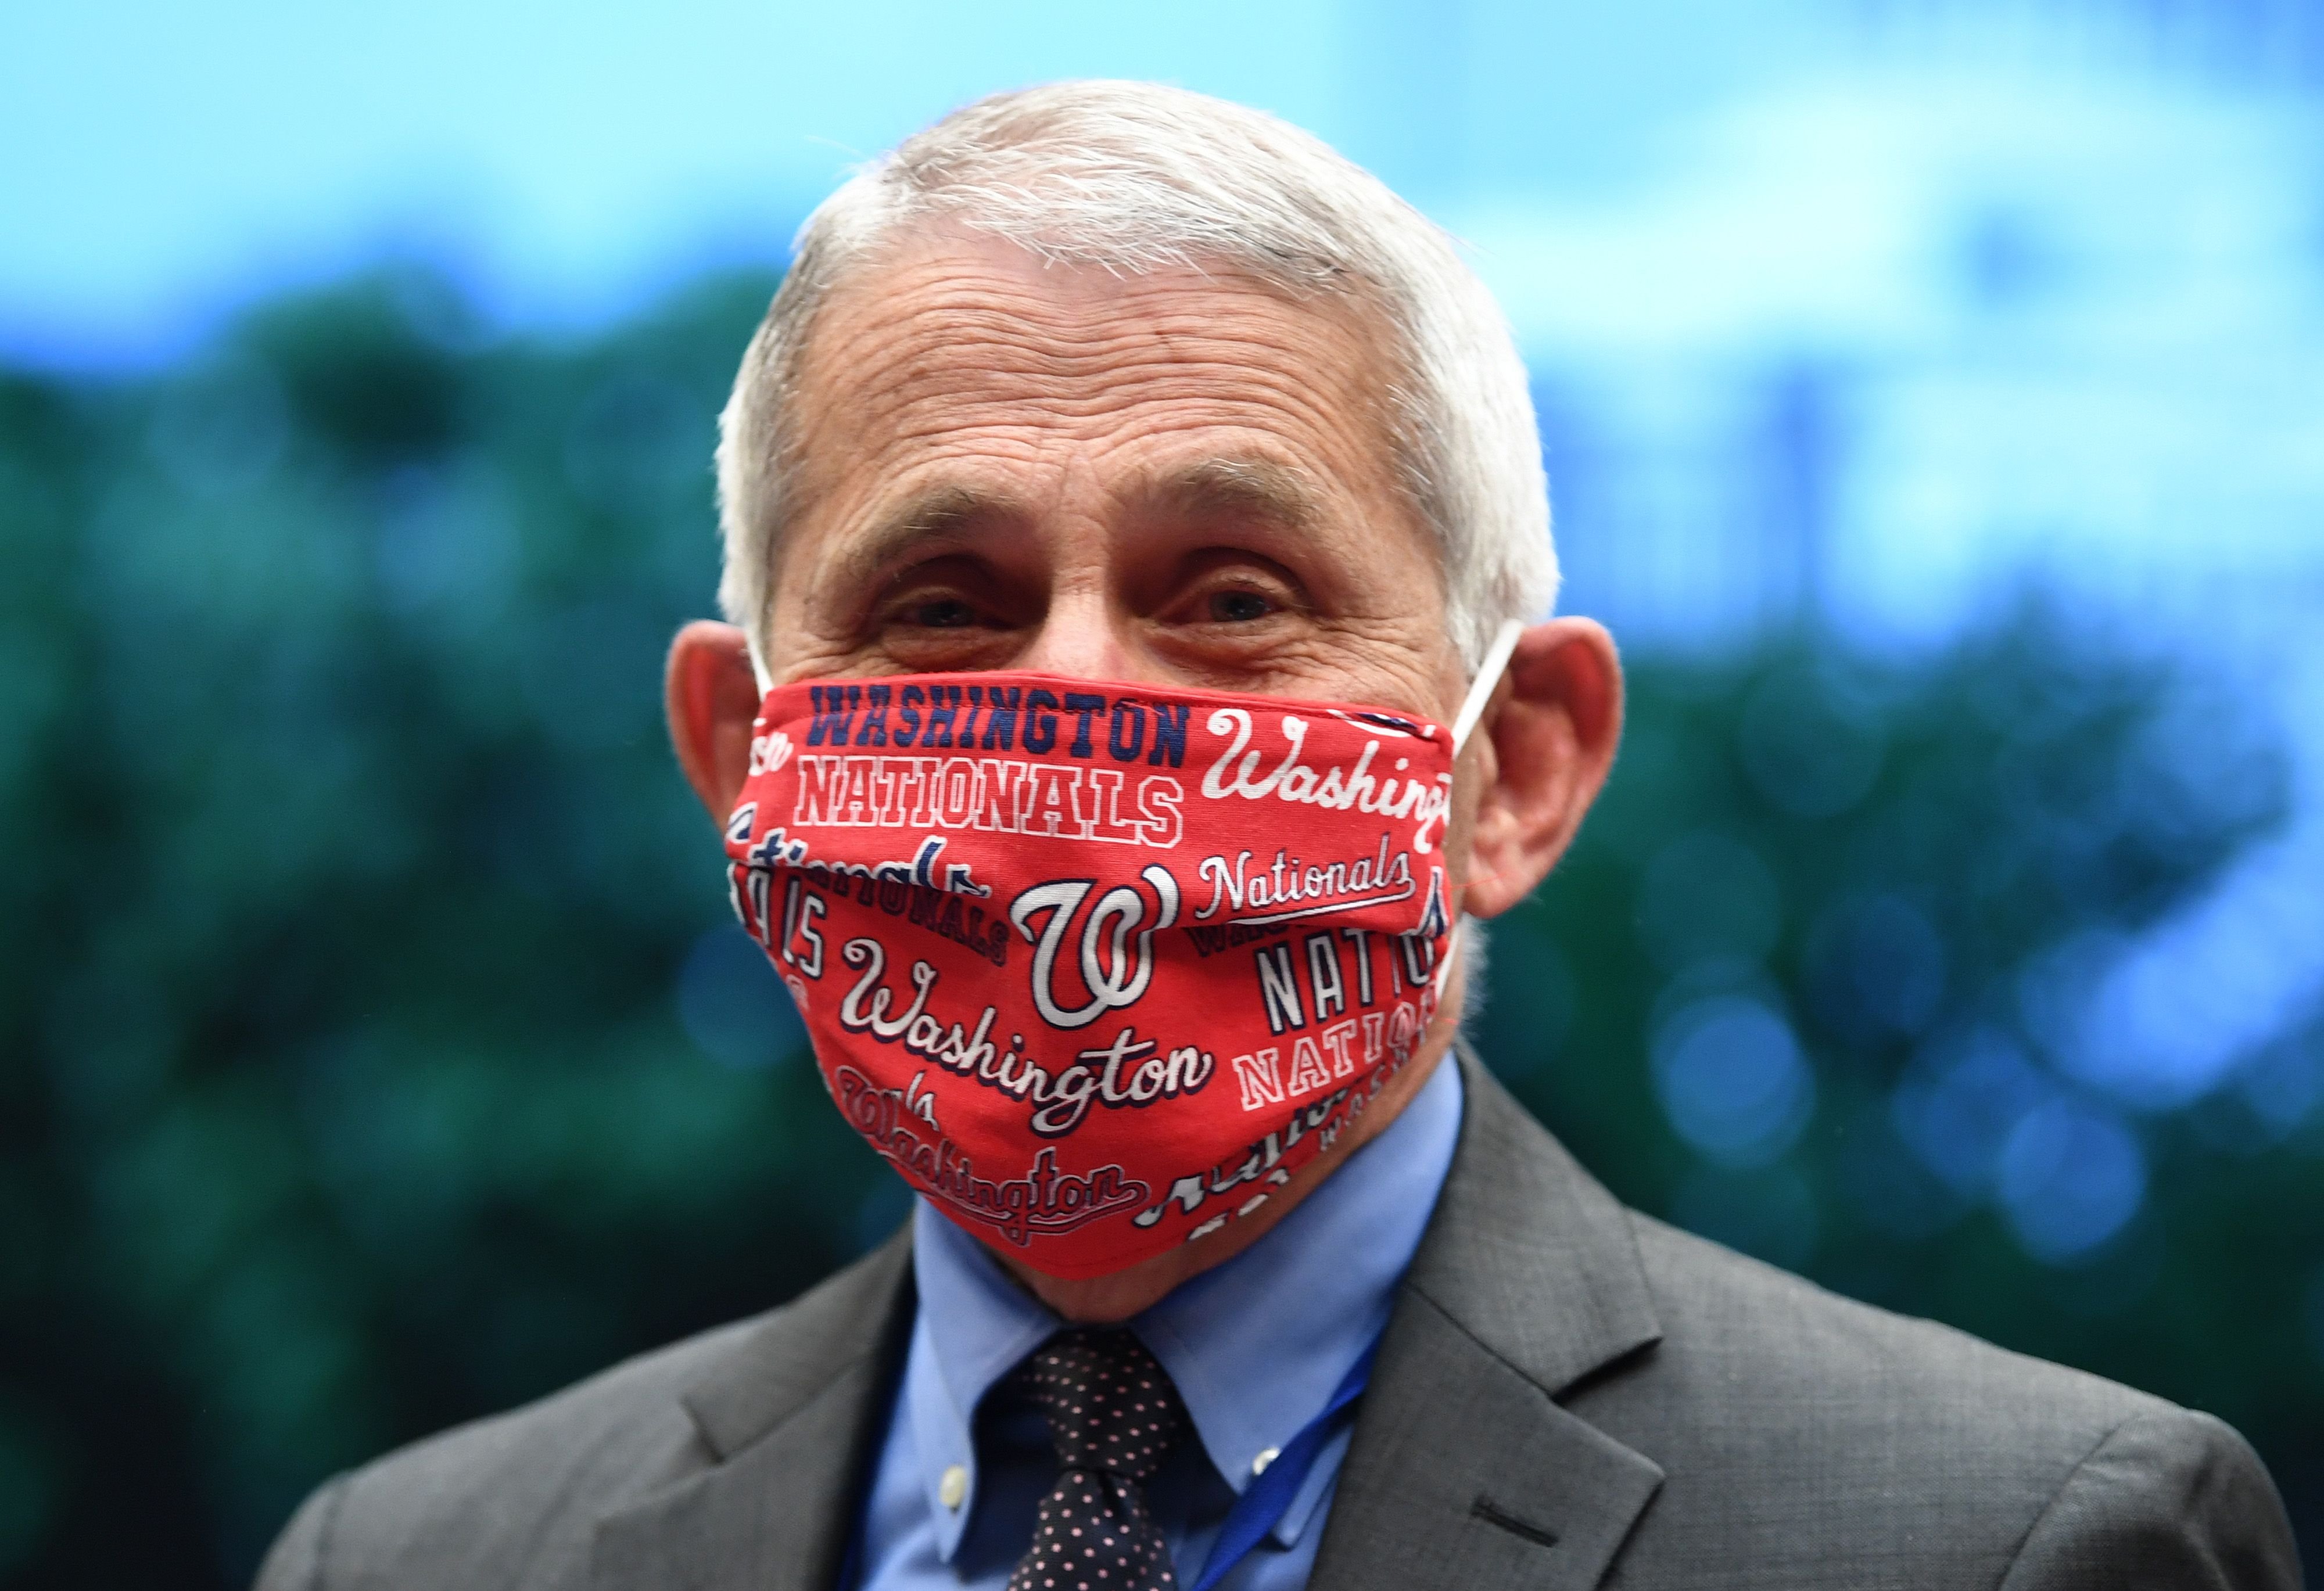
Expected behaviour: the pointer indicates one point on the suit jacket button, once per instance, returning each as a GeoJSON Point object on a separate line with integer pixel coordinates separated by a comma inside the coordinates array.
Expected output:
{"type": "Point", "coordinates": [952, 1486]}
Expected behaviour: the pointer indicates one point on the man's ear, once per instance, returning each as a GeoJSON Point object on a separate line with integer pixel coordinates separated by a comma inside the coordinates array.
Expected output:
{"type": "Point", "coordinates": [712, 699]}
{"type": "Point", "coordinates": [1549, 735]}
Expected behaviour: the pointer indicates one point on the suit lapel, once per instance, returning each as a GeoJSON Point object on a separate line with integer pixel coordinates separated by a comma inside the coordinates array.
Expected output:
{"type": "Point", "coordinates": [1465, 1471]}
{"type": "Point", "coordinates": [791, 1416]}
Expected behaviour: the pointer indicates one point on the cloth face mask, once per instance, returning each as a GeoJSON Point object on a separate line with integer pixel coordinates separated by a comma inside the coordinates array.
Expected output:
{"type": "Point", "coordinates": [1097, 967]}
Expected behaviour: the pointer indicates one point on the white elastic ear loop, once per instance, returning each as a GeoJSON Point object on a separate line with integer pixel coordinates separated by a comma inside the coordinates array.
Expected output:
{"type": "Point", "coordinates": [1488, 675]}
{"type": "Point", "coordinates": [1451, 951]}
{"type": "Point", "coordinates": [1480, 691]}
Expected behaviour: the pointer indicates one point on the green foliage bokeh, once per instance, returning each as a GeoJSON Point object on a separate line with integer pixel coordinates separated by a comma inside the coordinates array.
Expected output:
{"type": "Point", "coordinates": [375, 1052]}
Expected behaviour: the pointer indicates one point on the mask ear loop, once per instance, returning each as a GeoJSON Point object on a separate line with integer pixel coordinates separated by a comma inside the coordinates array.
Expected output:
{"type": "Point", "coordinates": [1488, 675]}
{"type": "Point", "coordinates": [1480, 691]}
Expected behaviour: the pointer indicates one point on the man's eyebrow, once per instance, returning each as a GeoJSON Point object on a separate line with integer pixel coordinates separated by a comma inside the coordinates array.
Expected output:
{"type": "Point", "coordinates": [943, 516]}
{"type": "Point", "coordinates": [940, 515]}
{"type": "Point", "coordinates": [1256, 487]}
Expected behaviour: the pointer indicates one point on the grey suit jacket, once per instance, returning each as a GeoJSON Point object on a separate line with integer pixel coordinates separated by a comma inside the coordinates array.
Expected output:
{"type": "Point", "coordinates": [1568, 1394]}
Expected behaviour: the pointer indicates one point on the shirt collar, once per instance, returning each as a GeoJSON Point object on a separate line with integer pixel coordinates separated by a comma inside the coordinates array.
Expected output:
{"type": "Point", "coordinates": [1256, 1345]}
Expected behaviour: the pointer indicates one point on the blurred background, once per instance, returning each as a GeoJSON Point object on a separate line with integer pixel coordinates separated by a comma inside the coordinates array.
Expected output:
{"type": "Point", "coordinates": [1932, 393]}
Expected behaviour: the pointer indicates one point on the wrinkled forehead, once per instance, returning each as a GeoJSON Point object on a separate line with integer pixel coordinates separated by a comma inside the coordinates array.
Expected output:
{"type": "Point", "coordinates": [949, 348]}
{"type": "Point", "coordinates": [1077, 277]}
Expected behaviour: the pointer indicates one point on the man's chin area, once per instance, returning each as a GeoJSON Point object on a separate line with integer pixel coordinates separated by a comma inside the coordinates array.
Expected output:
{"type": "Point", "coordinates": [1108, 1300]}
{"type": "Point", "coordinates": [1115, 1297]}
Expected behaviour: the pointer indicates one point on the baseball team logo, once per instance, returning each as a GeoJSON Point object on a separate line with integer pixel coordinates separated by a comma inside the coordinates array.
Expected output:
{"type": "Point", "coordinates": [1096, 968]}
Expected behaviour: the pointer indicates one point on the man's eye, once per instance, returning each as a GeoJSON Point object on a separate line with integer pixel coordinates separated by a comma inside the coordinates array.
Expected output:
{"type": "Point", "coordinates": [1239, 607]}
{"type": "Point", "coordinates": [939, 613]}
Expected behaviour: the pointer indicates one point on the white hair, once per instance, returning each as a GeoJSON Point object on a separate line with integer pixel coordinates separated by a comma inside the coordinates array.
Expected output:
{"type": "Point", "coordinates": [1134, 178]}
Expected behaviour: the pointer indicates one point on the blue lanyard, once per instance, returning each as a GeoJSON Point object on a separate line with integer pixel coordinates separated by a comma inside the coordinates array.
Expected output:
{"type": "Point", "coordinates": [1268, 1496]}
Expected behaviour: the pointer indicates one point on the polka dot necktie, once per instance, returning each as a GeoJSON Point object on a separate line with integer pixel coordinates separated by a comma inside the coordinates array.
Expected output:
{"type": "Point", "coordinates": [1114, 1417]}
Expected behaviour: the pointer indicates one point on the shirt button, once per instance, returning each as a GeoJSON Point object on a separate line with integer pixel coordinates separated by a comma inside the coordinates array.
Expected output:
{"type": "Point", "coordinates": [952, 1486]}
{"type": "Point", "coordinates": [1258, 1465]}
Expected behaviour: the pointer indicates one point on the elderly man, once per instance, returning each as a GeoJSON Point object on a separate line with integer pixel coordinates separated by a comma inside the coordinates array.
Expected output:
{"type": "Point", "coordinates": [1130, 506]}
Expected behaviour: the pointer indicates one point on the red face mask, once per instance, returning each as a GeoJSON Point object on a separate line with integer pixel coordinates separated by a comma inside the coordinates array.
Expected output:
{"type": "Point", "coordinates": [1096, 967]}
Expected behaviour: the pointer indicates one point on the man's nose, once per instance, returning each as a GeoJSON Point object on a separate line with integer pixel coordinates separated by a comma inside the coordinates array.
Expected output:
{"type": "Point", "coordinates": [1083, 636]}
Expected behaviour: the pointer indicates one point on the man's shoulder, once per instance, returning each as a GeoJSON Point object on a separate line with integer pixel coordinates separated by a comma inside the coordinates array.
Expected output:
{"type": "Point", "coordinates": [511, 1497]}
{"type": "Point", "coordinates": [1769, 1397]}
{"type": "Point", "coordinates": [1733, 1322]}
{"type": "Point", "coordinates": [512, 1500]}
{"type": "Point", "coordinates": [1769, 1433]}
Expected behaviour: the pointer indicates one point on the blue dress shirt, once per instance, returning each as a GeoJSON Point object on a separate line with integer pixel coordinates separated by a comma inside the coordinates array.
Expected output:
{"type": "Point", "coordinates": [1256, 1346]}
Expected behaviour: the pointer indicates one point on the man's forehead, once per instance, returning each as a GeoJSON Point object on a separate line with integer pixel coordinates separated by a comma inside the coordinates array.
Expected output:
{"type": "Point", "coordinates": [993, 308]}
{"type": "Point", "coordinates": [1245, 485]}
{"type": "Point", "coordinates": [936, 375]}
